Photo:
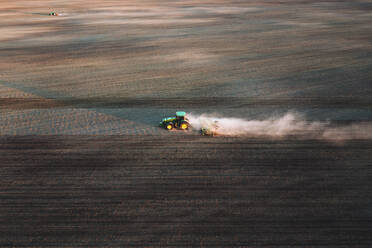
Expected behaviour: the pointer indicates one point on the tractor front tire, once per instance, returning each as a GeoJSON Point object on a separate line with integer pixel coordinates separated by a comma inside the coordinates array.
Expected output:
{"type": "Point", "coordinates": [169, 126]}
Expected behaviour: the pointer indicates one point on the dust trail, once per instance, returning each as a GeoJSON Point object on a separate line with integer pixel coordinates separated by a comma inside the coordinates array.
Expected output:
{"type": "Point", "coordinates": [290, 124]}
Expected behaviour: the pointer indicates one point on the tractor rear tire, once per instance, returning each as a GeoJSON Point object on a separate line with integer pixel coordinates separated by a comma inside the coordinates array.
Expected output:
{"type": "Point", "coordinates": [184, 125]}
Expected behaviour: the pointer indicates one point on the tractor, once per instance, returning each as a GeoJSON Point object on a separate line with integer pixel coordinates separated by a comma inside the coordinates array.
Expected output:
{"type": "Point", "coordinates": [179, 122]}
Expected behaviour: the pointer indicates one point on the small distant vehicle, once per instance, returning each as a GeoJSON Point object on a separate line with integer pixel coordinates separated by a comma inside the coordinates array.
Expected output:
{"type": "Point", "coordinates": [53, 13]}
{"type": "Point", "coordinates": [179, 122]}
{"type": "Point", "coordinates": [211, 130]}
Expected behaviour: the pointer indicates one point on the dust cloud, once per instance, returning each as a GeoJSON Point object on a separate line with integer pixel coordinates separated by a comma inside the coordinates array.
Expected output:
{"type": "Point", "coordinates": [289, 124]}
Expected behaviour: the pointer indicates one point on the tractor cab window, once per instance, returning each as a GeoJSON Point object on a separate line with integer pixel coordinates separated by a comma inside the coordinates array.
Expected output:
{"type": "Point", "coordinates": [180, 115]}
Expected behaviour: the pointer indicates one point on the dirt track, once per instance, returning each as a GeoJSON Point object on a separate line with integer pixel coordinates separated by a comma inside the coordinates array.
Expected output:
{"type": "Point", "coordinates": [83, 162]}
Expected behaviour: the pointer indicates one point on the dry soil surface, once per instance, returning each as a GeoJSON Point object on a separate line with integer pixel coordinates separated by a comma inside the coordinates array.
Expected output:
{"type": "Point", "coordinates": [83, 162]}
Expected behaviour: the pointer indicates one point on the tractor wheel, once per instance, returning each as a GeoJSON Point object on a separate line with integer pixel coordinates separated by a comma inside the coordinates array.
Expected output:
{"type": "Point", "coordinates": [169, 126]}
{"type": "Point", "coordinates": [184, 125]}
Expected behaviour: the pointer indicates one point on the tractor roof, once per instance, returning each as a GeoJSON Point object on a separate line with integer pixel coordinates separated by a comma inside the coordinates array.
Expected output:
{"type": "Point", "coordinates": [180, 113]}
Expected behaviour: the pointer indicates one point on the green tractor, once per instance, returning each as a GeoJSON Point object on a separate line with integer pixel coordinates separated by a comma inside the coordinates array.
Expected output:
{"type": "Point", "coordinates": [179, 122]}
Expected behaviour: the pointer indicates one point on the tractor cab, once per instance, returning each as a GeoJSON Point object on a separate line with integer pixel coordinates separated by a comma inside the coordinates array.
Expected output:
{"type": "Point", "coordinates": [180, 115]}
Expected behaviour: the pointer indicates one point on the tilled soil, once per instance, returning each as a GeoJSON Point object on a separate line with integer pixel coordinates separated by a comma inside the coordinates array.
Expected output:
{"type": "Point", "coordinates": [83, 163]}
{"type": "Point", "coordinates": [119, 64]}
{"type": "Point", "coordinates": [187, 190]}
